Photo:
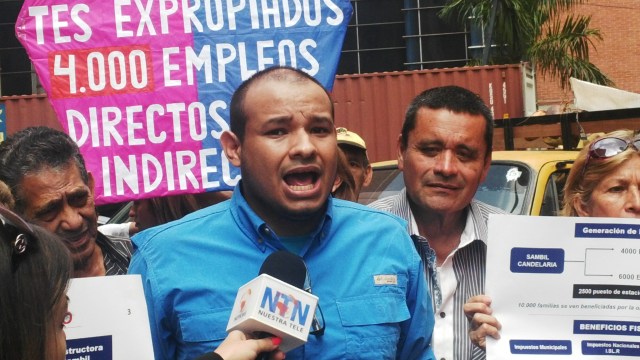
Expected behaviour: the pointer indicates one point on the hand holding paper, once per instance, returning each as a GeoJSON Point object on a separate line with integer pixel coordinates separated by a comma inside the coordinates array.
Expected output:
{"type": "Point", "coordinates": [483, 324]}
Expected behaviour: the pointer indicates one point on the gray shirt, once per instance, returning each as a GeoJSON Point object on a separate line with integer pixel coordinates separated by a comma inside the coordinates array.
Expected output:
{"type": "Point", "coordinates": [116, 252]}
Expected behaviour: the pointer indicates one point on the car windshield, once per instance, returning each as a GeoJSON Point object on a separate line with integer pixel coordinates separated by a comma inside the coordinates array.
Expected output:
{"type": "Point", "coordinates": [505, 187]}
{"type": "Point", "coordinates": [385, 182]}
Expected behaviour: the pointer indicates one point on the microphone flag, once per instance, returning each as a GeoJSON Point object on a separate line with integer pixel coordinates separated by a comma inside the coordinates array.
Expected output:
{"type": "Point", "coordinates": [269, 305]}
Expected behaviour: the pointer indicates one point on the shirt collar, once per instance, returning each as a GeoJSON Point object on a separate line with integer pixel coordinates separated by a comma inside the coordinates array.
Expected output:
{"type": "Point", "coordinates": [259, 232]}
{"type": "Point", "coordinates": [469, 234]}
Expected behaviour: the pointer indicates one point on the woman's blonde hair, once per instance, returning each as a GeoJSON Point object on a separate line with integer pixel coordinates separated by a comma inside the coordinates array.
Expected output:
{"type": "Point", "coordinates": [582, 181]}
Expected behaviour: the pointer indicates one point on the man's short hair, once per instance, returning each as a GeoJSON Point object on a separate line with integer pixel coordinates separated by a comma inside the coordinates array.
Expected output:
{"type": "Point", "coordinates": [238, 115]}
{"type": "Point", "coordinates": [453, 98]}
{"type": "Point", "coordinates": [33, 149]}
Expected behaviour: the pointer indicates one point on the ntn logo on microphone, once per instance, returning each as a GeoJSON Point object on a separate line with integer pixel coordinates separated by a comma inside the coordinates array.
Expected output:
{"type": "Point", "coordinates": [283, 307]}
{"type": "Point", "coordinates": [266, 304]}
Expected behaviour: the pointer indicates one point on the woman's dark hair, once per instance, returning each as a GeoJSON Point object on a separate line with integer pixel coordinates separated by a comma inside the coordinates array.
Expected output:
{"type": "Point", "coordinates": [169, 208]}
{"type": "Point", "coordinates": [35, 268]}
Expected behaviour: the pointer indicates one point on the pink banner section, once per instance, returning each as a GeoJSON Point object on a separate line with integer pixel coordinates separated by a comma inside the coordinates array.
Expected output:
{"type": "Point", "coordinates": [143, 86]}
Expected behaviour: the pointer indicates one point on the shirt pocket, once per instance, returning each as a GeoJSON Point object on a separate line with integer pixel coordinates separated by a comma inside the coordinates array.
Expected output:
{"type": "Point", "coordinates": [204, 329]}
{"type": "Point", "coordinates": [372, 324]}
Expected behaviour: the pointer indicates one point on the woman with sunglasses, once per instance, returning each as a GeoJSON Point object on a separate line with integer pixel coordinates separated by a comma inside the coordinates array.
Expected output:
{"type": "Point", "coordinates": [604, 181]}
{"type": "Point", "coordinates": [35, 268]}
{"type": "Point", "coordinates": [605, 178]}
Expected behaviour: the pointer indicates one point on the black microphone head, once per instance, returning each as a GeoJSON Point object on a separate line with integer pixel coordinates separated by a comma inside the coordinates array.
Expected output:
{"type": "Point", "coordinates": [285, 266]}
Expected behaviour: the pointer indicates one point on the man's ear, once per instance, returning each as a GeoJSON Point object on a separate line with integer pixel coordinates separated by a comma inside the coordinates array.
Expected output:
{"type": "Point", "coordinates": [232, 147]}
{"type": "Point", "coordinates": [336, 184]}
{"type": "Point", "coordinates": [400, 149]}
{"type": "Point", "coordinates": [368, 175]}
{"type": "Point", "coordinates": [487, 166]}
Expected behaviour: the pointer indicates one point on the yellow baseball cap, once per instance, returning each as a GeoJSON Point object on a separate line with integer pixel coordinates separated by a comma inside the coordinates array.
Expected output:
{"type": "Point", "coordinates": [350, 138]}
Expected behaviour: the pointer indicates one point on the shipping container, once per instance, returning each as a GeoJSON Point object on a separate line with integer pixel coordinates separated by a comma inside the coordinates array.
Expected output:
{"type": "Point", "coordinates": [373, 105]}
{"type": "Point", "coordinates": [28, 110]}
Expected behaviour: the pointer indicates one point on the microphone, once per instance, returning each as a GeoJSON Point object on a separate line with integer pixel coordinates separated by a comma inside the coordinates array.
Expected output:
{"type": "Point", "coordinates": [285, 266]}
{"type": "Point", "coordinates": [275, 302]}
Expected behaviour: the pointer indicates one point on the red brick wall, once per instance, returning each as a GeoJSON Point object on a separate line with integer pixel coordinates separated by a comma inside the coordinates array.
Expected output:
{"type": "Point", "coordinates": [617, 55]}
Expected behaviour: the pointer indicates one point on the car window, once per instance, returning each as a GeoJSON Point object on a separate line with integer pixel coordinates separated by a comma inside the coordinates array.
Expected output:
{"type": "Point", "coordinates": [385, 182]}
{"type": "Point", "coordinates": [510, 183]}
{"type": "Point", "coordinates": [553, 194]}
{"type": "Point", "coordinates": [506, 187]}
{"type": "Point", "coordinates": [106, 213]}
{"type": "Point", "coordinates": [122, 215]}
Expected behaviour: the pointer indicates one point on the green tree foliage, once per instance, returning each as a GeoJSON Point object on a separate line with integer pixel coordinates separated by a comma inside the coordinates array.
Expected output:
{"type": "Point", "coordinates": [542, 32]}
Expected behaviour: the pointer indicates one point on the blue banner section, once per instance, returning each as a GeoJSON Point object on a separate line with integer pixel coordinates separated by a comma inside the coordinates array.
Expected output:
{"type": "Point", "coordinates": [615, 348]}
{"type": "Point", "coordinates": [604, 327]}
{"type": "Point", "coordinates": [95, 348]}
{"type": "Point", "coordinates": [3, 122]}
{"type": "Point", "coordinates": [305, 35]}
{"type": "Point", "coordinates": [617, 231]}
{"type": "Point", "coordinates": [536, 260]}
{"type": "Point", "coordinates": [540, 347]}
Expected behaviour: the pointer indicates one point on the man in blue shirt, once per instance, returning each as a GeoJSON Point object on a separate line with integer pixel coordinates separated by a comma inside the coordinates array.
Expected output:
{"type": "Point", "coordinates": [362, 264]}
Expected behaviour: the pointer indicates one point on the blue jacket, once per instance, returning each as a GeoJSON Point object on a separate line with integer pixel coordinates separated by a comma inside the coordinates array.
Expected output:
{"type": "Point", "coordinates": [192, 268]}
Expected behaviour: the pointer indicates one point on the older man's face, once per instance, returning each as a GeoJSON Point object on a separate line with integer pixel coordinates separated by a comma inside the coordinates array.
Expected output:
{"type": "Point", "coordinates": [61, 202]}
{"type": "Point", "coordinates": [358, 165]}
{"type": "Point", "coordinates": [445, 160]}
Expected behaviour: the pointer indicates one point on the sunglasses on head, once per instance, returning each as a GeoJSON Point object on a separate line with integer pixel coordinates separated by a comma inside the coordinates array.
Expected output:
{"type": "Point", "coordinates": [607, 147]}
{"type": "Point", "coordinates": [17, 231]}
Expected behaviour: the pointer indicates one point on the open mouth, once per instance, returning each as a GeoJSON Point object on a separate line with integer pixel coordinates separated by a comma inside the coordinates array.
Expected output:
{"type": "Point", "coordinates": [301, 181]}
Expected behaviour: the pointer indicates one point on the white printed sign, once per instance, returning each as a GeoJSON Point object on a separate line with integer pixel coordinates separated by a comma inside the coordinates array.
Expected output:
{"type": "Point", "coordinates": [566, 287]}
{"type": "Point", "coordinates": [108, 320]}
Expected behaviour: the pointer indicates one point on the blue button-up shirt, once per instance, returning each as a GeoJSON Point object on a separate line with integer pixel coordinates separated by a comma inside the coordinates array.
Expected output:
{"type": "Point", "coordinates": [363, 267]}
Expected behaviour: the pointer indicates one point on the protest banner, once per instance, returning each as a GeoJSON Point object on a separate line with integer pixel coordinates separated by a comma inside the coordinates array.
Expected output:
{"type": "Point", "coordinates": [144, 86]}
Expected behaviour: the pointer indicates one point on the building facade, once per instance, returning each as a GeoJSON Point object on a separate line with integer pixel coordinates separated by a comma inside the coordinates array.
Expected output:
{"type": "Point", "coordinates": [383, 35]}
{"type": "Point", "coordinates": [615, 55]}
{"type": "Point", "coordinates": [399, 35]}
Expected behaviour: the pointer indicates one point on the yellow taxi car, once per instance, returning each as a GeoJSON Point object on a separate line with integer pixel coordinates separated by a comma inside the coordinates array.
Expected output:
{"type": "Point", "coordinates": [526, 182]}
